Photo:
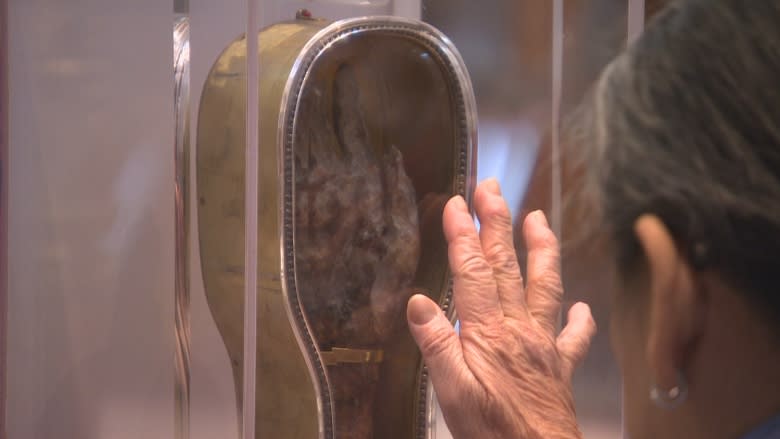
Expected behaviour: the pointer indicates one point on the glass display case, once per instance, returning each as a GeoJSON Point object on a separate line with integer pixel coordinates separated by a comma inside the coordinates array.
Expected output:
{"type": "Point", "coordinates": [209, 235]}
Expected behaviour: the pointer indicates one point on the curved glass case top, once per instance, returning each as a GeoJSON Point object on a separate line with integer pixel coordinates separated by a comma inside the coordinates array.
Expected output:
{"type": "Point", "coordinates": [378, 135]}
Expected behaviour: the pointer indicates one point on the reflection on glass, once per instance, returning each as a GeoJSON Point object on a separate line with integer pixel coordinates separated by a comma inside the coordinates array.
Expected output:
{"type": "Point", "coordinates": [537, 55]}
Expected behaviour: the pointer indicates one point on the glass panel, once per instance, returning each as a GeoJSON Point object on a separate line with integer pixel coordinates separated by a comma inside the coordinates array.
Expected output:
{"type": "Point", "coordinates": [595, 32]}
{"type": "Point", "coordinates": [397, 69]}
{"type": "Point", "coordinates": [3, 207]}
{"type": "Point", "coordinates": [507, 47]}
{"type": "Point", "coordinates": [91, 220]}
{"type": "Point", "coordinates": [511, 68]}
{"type": "Point", "coordinates": [181, 108]}
{"type": "Point", "coordinates": [221, 173]}
{"type": "Point", "coordinates": [529, 71]}
{"type": "Point", "coordinates": [216, 282]}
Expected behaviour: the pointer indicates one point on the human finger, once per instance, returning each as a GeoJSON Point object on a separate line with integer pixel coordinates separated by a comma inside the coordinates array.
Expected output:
{"type": "Point", "coordinates": [474, 289]}
{"type": "Point", "coordinates": [574, 341]}
{"type": "Point", "coordinates": [439, 345]}
{"type": "Point", "coordinates": [544, 290]}
{"type": "Point", "coordinates": [495, 235]}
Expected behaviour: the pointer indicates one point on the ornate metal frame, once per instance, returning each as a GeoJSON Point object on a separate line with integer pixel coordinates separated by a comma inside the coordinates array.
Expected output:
{"type": "Point", "coordinates": [463, 94]}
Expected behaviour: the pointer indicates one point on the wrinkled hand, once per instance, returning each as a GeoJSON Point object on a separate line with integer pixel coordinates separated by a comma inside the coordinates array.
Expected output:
{"type": "Point", "coordinates": [507, 375]}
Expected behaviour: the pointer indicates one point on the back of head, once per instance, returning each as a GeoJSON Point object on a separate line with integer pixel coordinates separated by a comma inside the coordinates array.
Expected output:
{"type": "Point", "coordinates": [686, 125]}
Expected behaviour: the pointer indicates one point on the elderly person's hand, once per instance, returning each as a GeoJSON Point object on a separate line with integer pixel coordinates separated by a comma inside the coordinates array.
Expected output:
{"type": "Point", "coordinates": [507, 375]}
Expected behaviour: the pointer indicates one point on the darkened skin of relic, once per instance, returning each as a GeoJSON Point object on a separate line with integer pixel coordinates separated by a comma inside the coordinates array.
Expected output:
{"type": "Point", "coordinates": [374, 140]}
{"type": "Point", "coordinates": [357, 244]}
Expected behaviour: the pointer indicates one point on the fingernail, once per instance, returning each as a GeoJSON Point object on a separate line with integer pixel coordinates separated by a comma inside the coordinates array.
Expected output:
{"type": "Point", "coordinates": [492, 186]}
{"type": "Point", "coordinates": [459, 203]}
{"type": "Point", "coordinates": [421, 310]}
{"type": "Point", "coordinates": [540, 217]}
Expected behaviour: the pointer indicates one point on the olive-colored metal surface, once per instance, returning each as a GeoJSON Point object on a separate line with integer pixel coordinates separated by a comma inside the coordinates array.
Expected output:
{"type": "Point", "coordinates": [289, 409]}
{"type": "Point", "coordinates": [376, 130]}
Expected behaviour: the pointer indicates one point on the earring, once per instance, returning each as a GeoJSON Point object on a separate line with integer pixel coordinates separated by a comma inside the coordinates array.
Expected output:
{"type": "Point", "coordinates": [672, 398]}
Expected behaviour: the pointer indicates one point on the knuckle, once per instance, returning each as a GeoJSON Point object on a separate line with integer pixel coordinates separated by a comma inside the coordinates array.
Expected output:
{"type": "Point", "coordinates": [498, 215]}
{"type": "Point", "coordinates": [436, 343]}
{"type": "Point", "coordinates": [550, 255]}
{"type": "Point", "coordinates": [463, 234]}
{"type": "Point", "coordinates": [473, 266]}
{"type": "Point", "coordinates": [502, 258]}
{"type": "Point", "coordinates": [548, 240]}
{"type": "Point", "coordinates": [547, 283]}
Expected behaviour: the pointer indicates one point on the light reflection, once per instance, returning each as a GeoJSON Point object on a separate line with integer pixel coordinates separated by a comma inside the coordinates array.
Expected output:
{"type": "Point", "coordinates": [507, 152]}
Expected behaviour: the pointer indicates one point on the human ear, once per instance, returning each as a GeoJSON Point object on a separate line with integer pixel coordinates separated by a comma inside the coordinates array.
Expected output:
{"type": "Point", "coordinates": [676, 304]}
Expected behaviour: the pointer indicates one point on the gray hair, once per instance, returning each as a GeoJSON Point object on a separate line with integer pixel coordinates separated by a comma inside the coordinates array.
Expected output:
{"type": "Point", "coordinates": [685, 124]}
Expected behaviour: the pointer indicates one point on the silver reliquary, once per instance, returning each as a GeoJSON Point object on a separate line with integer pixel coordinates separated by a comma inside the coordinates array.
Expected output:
{"type": "Point", "coordinates": [367, 127]}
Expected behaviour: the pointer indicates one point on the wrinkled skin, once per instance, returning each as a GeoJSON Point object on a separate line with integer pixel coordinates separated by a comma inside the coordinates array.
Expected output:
{"type": "Point", "coordinates": [508, 374]}
{"type": "Point", "coordinates": [357, 248]}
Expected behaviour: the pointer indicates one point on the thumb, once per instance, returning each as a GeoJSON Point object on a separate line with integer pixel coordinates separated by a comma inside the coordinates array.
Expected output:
{"type": "Point", "coordinates": [574, 341]}
{"type": "Point", "coordinates": [439, 345]}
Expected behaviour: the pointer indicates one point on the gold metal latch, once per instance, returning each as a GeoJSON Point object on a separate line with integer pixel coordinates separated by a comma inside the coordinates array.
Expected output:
{"type": "Point", "coordinates": [338, 356]}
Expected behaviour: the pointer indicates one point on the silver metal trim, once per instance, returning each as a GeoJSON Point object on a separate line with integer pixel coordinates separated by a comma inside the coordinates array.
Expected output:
{"type": "Point", "coordinates": [181, 109]}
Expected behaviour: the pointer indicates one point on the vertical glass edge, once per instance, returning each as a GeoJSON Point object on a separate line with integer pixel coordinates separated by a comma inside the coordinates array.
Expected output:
{"type": "Point", "coordinates": [251, 222]}
{"type": "Point", "coordinates": [4, 127]}
{"type": "Point", "coordinates": [181, 108]}
{"type": "Point", "coordinates": [636, 19]}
